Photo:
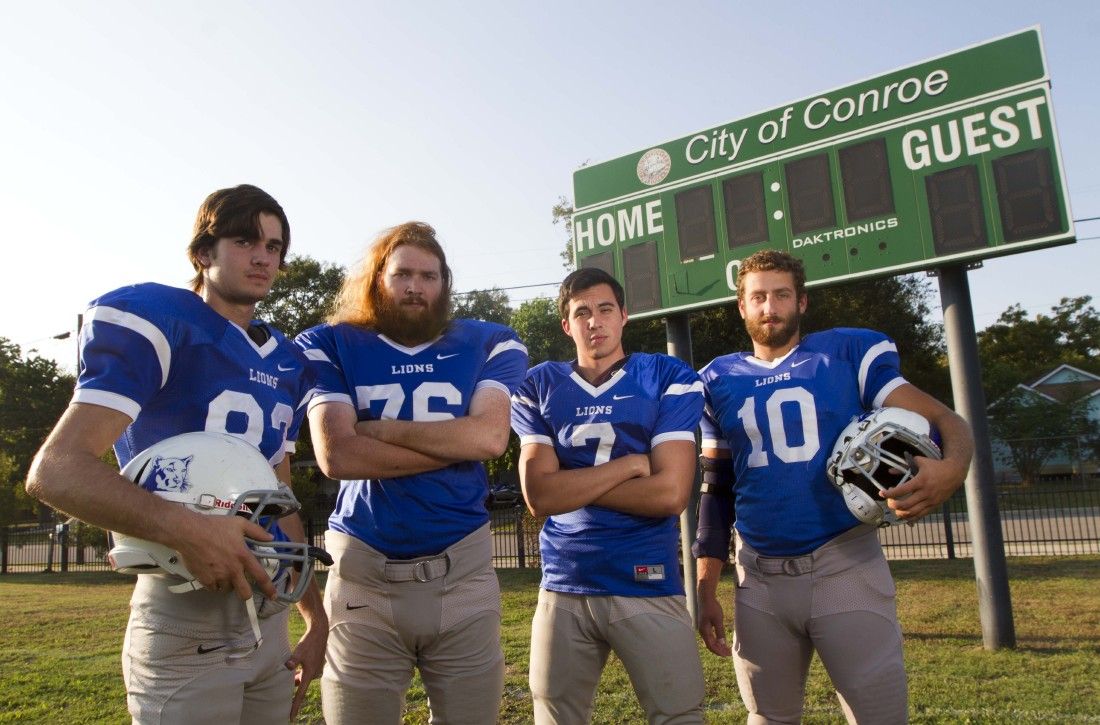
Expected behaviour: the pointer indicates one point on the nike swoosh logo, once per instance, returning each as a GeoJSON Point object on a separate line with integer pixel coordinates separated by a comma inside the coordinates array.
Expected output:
{"type": "Point", "coordinates": [621, 397]}
{"type": "Point", "coordinates": [206, 650]}
{"type": "Point", "coordinates": [357, 606]}
{"type": "Point", "coordinates": [444, 357]}
{"type": "Point", "coordinates": [794, 365]}
{"type": "Point", "coordinates": [283, 370]}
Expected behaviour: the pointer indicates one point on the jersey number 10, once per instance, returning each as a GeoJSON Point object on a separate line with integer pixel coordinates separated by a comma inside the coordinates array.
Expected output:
{"type": "Point", "coordinates": [807, 410]}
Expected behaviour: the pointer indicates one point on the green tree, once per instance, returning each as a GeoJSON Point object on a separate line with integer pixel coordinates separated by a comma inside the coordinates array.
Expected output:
{"type": "Point", "coordinates": [33, 394]}
{"type": "Point", "coordinates": [490, 305]}
{"type": "Point", "coordinates": [1032, 428]}
{"type": "Point", "coordinates": [538, 324]}
{"type": "Point", "coordinates": [1019, 349]}
{"type": "Point", "coordinates": [302, 295]}
{"type": "Point", "coordinates": [562, 213]}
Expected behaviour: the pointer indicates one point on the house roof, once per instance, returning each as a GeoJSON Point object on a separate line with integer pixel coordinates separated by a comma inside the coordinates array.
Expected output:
{"type": "Point", "coordinates": [1065, 383]}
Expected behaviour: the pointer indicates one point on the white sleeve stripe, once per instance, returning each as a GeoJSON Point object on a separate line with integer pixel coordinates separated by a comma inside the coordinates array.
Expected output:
{"type": "Point", "coordinates": [534, 438]}
{"type": "Point", "coordinates": [142, 327]}
{"type": "Point", "coordinates": [505, 347]}
{"type": "Point", "coordinates": [675, 435]}
{"type": "Point", "coordinates": [493, 385]}
{"type": "Point", "coordinates": [868, 358]}
{"type": "Point", "coordinates": [107, 399]}
{"type": "Point", "coordinates": [524, 400]}
{"type": "Point", "coordinates": [681, 389]}
{"type": "Point", "coordinates": [715, 443]}
{"type": "Point", "coordinates": [329, 398]}
{"type": "Point", "coordinates": [307, 397]}
{"type": "Point", "coordinates": [886, 390]}
{"type": "Point", "coordinates": [315, 354]}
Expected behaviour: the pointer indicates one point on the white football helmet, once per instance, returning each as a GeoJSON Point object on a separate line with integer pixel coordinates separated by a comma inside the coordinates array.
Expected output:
{"type": "Point", "coordinates": [218, 475]}
{"type": "Point", "coordinates": [875, 452]}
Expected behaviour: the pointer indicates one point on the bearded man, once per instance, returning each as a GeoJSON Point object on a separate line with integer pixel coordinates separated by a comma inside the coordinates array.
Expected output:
{"type": "Point", "coordinates": [408, 404]}
{"type": "Point", "coordinates": [810, 575]}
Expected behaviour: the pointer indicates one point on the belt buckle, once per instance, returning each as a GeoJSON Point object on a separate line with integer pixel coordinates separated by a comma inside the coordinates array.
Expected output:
{"type": "Point", "coordinates": [420, 571]}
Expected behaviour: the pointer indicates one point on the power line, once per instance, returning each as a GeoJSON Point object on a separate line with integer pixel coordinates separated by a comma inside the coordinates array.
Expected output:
{"type": "Point", "coordinates": [519, 286]}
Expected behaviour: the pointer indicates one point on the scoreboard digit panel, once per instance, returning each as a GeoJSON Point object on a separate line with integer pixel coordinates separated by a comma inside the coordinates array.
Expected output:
{"type": "Point", "coordinates": [1027, 195]}
{"type": "Point", "coordinates": [745, 211]}
{"type": "Point", "coordinates": [865, 177]}
{"type": "Point", "coordinates": [955, 208]}
{"type": "Point", "coordinates": [968, 180]}
{"type": "Point", "coordinates": [810, 194]}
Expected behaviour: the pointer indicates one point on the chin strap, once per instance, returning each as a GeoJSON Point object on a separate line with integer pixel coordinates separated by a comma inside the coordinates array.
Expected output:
{"type": "Point", "coordinates": [250, 607]}
{"type": "Point", "coordinates": [184, 587]}
{"type": "Point", "coordinates": [244, 650]}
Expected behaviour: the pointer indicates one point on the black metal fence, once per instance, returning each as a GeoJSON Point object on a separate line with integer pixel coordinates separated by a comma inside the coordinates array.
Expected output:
{"type": "Point", "coordinates": [1034, 521]}
{"type": "Point", "coordinates": [1038, 521]}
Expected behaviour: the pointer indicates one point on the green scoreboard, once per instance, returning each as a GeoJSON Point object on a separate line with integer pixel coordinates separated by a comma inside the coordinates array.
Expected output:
{"type": "Point", "coordinates": [949, 160]}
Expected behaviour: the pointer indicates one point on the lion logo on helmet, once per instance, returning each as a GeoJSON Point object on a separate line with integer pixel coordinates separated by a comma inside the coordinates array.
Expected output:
{"type": "Point", "coordinates": [169, 474]}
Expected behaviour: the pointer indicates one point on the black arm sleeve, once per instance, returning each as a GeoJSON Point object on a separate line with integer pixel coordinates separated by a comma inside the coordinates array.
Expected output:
{"type": "Point", "coordinates": [716, 510]}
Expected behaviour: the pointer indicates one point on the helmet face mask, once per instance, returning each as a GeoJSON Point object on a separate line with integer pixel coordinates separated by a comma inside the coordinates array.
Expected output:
{"type": "Point", "coordinates": [214, 474]}
{"type": "Point", "coordinates": [874, 453]}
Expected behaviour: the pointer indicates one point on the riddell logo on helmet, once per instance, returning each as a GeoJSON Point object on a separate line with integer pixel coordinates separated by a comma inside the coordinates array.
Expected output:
{"type": "Point", "coordinates": [210, 501]}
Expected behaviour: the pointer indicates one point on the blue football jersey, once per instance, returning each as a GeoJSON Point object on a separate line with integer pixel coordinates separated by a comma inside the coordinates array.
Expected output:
{"type": "Point", "coordinates": [425, 513]}
{"type": "Point", "coordinates": [648, 401]}
{"type": "Point", "coordinates": [780, 420]}
{"type": "Point", "coordinates": [166, 359]}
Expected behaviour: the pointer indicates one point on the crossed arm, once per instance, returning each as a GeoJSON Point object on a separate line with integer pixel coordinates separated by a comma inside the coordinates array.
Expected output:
{"type": "Point", "coordinates": [657, 484]}
{"type": "Point", "coordinates": [350, 449]}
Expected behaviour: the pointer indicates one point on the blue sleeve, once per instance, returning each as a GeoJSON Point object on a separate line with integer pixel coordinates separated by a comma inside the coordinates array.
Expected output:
{"type": "Point", "coordinates": [709, 428]}
{"type": "Point", "coordinates": [126, 354]}
{"type": "Point", "coordinates": [330, 385]}
{"type": "Point", "coordinates": [306, 386]}
{"type": "Point", "coordinates": [878, 366]}
{"type": "Point", "coordinates": [681, 404]}
{"type": "Point", "coordinates": [527, 419]}
{"type": "Point", "coordinates": [505, 363]}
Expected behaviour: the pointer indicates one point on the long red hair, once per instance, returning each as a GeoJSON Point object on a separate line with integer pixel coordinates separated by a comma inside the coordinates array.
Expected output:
{"type": "Point", "coordinates": [358, 300]}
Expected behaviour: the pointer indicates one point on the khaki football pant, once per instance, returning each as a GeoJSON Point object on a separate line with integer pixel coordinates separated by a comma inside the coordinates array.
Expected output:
{"type": "Point", "coordinates": [191, 658]}
{"type": "Point", "coordinates": [572, 635]}
{"type": "Point", "coordinates": [838, 600]}
{"type": "Point", "coordinates": [386, 617]}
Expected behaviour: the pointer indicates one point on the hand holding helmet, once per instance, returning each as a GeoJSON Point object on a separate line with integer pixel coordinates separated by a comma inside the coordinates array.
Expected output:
{"type": "Point", "coordinates": [876, 454]}
{"type": "Point", "coordinates": [234, 489]}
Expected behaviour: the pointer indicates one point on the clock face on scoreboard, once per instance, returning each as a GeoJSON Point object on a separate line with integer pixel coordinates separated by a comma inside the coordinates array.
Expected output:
{"type": "Point", "coordinates": [953, 159]}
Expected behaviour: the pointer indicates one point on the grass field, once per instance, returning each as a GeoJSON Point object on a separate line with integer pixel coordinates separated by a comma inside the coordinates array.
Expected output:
{"type": "Point", "coordinates": [63, 634]}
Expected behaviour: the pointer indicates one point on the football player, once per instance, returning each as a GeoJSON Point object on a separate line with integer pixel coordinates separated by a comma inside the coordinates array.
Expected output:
{"type": "Point", "coordinates": [159, 361]}
{"type": "Point", "coordinates": [409, 403]}
{"type": "Point", "coordinates": [810, 576]}
{"type": "Point", "coordinates": [608, 453]}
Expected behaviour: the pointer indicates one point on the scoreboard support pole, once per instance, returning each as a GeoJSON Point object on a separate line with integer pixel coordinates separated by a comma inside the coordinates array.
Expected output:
{"type": "Point", "coordinates": [990, 570]}
{"type": "Point", "coordinates": [678, 337]}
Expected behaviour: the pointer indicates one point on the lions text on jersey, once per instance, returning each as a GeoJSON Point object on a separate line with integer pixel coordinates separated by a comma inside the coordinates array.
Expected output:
{"type": "Point", "coordinates": [780, 419]}
{"type": "Point", "coordinates": [651, 399]}
{"type": "Point", "coordinates": [171, 363]}
{"type": "Point", "coordinates": [425, 513]}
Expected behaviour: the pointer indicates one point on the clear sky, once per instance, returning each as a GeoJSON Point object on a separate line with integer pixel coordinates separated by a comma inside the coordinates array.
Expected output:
{"type": "Point", "coordinates": [117, 117]}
